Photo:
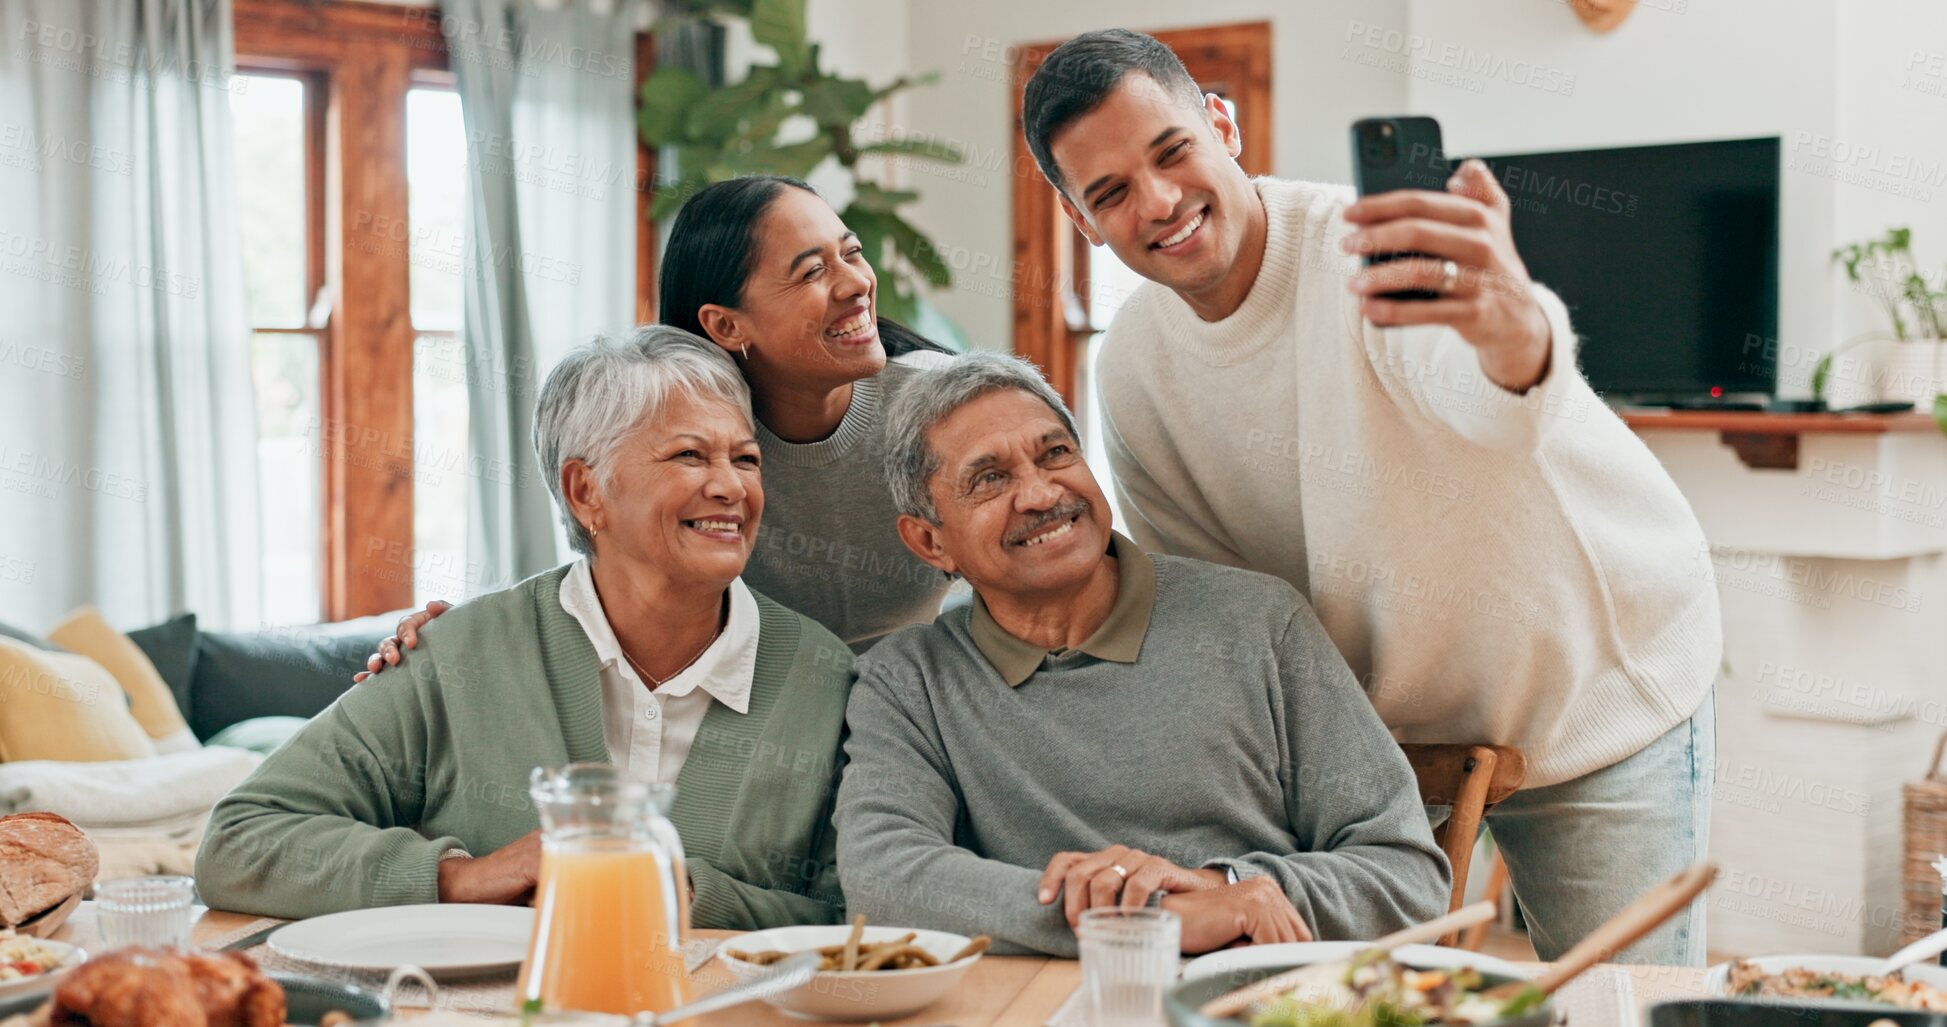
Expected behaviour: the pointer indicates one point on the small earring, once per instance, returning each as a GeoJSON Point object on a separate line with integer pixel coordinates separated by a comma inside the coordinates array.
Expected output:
{"type": "Point", "coordinates": [745, 349]}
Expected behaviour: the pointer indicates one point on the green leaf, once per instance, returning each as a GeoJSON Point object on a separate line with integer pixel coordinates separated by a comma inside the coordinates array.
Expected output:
{"type": "Point", "coordinates": [780, 25]}
{"type": "Point", "coordinates": [898, 303]}
{"type": "Point", "coordinates": [920, 252]}
{"type": "Point", "coordinates": [903, 83]}
{"type": "Point", "coordinates": [761, 125]}
{"type": "Point", "coordinates": [666, 101]}
{"type": "Point", "coordinates": [930, 149]}
{"type": "Point", "coordinates": [717, 114]}
{"type": "Point", "coordinates": [795, 160]}
{"type": "Point", "coordinates": [1940, 413]}
{"type": "Point", "coordinates": [1820, 373]}
{"type": "Point", "coordinates": [870, 196]}
{"type": "Point", "coordinates": [836, 101]}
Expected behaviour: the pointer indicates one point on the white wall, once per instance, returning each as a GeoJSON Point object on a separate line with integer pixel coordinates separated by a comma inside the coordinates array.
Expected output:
{"type": "Point", "coordinates": [1677, 70]}
{"type": "Point", "coordinates": [968, 210]}
{"type": "Point", "coordinates": [1870, 88]}
{"type": "Point", "coordinates": [1892, 131]}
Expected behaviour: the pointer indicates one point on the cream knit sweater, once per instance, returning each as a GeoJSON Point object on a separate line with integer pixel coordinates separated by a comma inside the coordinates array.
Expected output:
{"type": "Point", "coordinates": [1513, 569]}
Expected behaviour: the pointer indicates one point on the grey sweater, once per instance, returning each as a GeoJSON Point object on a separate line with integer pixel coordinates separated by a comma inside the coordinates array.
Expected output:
{"type": "Point", "coordinates": [1237, 738]}
{"type": "Point", "coordinates": [827, 547]}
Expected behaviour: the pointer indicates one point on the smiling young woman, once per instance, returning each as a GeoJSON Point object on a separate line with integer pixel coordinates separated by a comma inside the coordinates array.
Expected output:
{"type": "Point", "coordinates": [764, 268]}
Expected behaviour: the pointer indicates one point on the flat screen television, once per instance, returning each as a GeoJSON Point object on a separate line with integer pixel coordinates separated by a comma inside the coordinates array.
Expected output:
{"type": "Point", "coordinates": [1667, 257]}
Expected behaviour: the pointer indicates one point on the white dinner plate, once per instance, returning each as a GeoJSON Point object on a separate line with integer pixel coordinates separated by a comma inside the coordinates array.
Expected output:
{"type": "Point", "coordinates": [1305, 952]}
{"type": "Point", "coordinates": [1717, 979]}
{"type": "Point", "coordinates": [446, 940]}
{"type": "Point", "coordinates": [71, 957]}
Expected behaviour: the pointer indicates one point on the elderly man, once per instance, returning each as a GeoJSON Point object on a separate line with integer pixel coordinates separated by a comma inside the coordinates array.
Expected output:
{"type": "Point", "coordinates": [1101, 724]}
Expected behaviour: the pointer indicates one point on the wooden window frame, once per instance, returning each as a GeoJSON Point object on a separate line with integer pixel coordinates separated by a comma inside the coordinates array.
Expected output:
{"type": "Point", "coordinates": [359, 60]}
{"type": "Point", "coordinates": [1050, 294]}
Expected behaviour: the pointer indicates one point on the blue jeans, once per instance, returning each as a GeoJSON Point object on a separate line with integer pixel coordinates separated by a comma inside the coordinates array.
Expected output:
{"type": "Point", "coordinates": [1579, 851]}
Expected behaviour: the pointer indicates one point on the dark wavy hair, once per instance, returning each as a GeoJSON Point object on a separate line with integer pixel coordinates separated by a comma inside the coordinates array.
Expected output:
{"type": "Point", "coordinates": [1081, 73]}
{"type": "Point", "coordinates": [713, 246]}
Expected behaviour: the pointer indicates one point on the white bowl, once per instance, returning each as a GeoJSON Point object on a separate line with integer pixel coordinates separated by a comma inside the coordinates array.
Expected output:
{"type": "Point", "coordinates": [71, 957]}
{"type": "Point", "coordinates": [859, 995]}
{"type": "Point", "coordinates": [1305, 953]}
{"type": "Point", "coordinates": [1717, 979]}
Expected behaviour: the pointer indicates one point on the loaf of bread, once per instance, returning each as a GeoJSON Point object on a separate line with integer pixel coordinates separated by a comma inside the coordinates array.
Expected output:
{"type": "Point", "coordinates": [44, 859]}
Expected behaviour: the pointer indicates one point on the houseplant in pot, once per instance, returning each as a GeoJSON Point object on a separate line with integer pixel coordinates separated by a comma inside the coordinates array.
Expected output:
{"type": "Point", "coordinates": [1911, 368]}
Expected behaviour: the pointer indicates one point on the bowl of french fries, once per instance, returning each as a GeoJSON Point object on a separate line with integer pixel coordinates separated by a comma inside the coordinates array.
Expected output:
{"type": "Point", "coordinates": [869, 972]}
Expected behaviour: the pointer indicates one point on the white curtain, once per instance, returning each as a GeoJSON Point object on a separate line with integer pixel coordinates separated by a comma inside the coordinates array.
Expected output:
{"type": "Point", "coordinates": [548, 97]}
{"type": "Point", "coordinates": [127, 425]}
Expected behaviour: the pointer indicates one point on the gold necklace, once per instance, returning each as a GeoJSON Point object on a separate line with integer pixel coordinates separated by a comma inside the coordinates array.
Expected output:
{"type": "Point", "coordinates": [654, 681]}
{"type": "Point", "coordinates": [723, 621]}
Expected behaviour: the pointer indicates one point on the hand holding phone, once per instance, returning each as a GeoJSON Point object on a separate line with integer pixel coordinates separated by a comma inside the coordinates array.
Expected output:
{"type": "Point", "coordinates": [1398, 153]}
{"type": "Point", "coordinates": [1456, 227]}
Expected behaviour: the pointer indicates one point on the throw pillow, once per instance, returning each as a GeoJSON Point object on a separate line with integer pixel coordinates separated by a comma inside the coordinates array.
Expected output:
{"type": "Point", "coordinates": [84, 633]}
{"type": "Point", "coordinates": [59, 706]}
{"type": "Point", "coordinates": [19, 635]}
{"type": "Point", "coordinates": [171, 646]}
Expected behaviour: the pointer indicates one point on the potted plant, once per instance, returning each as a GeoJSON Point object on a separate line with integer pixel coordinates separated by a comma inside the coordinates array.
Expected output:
{"type": "Point", "coordinates": [1911, 368]}
{"type": "Point", "coordinates": [721, 132]}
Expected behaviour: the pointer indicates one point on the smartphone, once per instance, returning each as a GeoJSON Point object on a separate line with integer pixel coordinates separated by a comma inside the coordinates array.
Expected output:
{"type": "Point", "coordinates": [1398, 153]}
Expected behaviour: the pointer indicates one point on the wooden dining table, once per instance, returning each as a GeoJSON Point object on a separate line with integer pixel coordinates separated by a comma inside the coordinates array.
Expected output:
{"type": "Point", "coordinates": [999, 991]}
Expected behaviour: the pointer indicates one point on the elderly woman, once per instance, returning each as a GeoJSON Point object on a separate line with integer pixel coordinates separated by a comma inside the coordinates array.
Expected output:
{"type": "Point", "coordinates": [650, 652]}
{"type": "Point", "coordinates": [763, 267]}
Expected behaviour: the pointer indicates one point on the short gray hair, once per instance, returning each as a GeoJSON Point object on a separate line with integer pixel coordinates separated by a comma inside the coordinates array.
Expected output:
{"type": "Point", "coordinates": [599, 393]}
{"type": "Point", "coordinates": [929, 398]}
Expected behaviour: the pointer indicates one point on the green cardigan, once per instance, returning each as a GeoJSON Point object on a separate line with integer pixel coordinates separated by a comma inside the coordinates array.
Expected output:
{"type": "Point", "coordinates": [356, 809]}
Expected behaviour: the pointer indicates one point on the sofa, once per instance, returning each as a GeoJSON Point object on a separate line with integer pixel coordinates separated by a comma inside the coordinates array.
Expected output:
{"type": "Point", "coordinates": [222, 679]}
{"type": "Point", "coordinates": [134, 736]}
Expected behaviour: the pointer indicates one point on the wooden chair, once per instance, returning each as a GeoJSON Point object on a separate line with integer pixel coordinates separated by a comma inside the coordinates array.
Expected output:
{"type": "Point", "coordinates": [1471, 779]}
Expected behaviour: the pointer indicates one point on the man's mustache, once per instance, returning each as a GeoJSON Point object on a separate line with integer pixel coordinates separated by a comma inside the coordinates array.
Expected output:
{"type": "Point", "coordinates": [1068, 509]}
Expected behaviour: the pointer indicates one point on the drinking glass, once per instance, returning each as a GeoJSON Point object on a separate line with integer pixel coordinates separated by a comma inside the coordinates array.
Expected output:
{"type": "Point", "coordinates": [144, 911]}
{"type": "Point", "coordinates": [1128, 960]}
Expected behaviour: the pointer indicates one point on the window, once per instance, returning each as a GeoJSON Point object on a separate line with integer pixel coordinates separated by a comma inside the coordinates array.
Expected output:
{"type": "Point", "coordinates": [436, 183]}
{"type": "Point", "coordinates": [352, 183]}
{"type": "Point", "coordinates": [272, 117]}
{"type": "Point", "coordinates": [321, 128]}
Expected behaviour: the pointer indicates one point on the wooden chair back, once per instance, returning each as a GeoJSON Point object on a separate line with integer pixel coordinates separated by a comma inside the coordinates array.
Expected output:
{"type": "Point", "coordinates": [1471, 779]}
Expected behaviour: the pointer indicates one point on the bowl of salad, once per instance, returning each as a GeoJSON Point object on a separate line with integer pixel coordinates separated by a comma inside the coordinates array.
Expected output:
{"type": "Point", "coordinates": [1369, 990]}
{"type": "Point", "coordinates": [29, 964]}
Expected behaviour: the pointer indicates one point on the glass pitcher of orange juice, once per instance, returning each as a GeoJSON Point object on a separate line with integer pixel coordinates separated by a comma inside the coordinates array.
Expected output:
{"type": "Point", "coordinates": [611, 905]}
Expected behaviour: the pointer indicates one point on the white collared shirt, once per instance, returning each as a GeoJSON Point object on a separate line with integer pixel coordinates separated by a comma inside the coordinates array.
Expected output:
{"type": "Point", "coordinates": [649, 733]}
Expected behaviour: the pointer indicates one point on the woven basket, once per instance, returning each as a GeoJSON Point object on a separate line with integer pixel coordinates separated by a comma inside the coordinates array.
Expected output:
{"type": "Point", "coordinates": [1924, 819]}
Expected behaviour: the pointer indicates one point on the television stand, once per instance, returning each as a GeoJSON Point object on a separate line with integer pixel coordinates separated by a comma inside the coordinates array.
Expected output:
{"type": "Point", "coordinates": [1707, 403]}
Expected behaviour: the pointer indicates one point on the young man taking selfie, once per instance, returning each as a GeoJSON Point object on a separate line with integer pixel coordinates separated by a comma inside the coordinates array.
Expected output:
{"type": "Point", "coordinates": [1496, 555]}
